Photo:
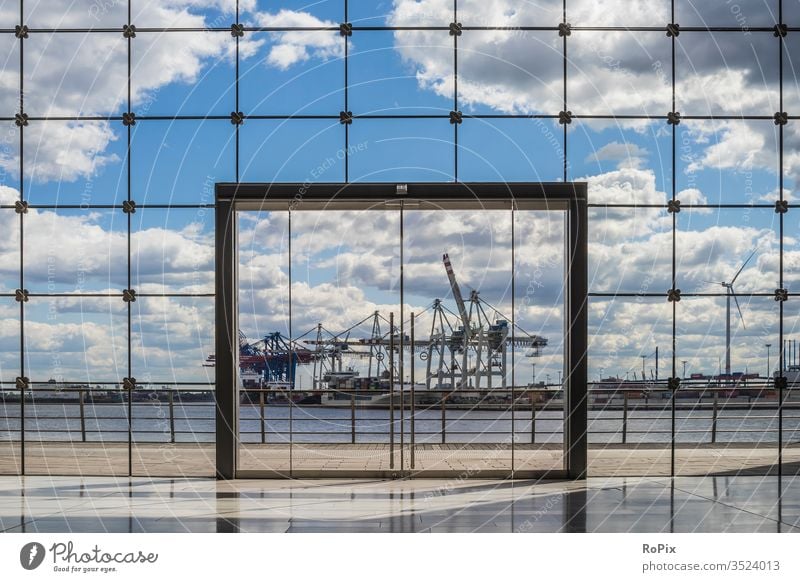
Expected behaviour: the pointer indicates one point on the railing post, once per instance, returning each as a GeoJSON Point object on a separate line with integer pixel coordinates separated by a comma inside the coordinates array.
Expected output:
{"type": "Point", "coordinates": [714, 419]}
{"type": "Point", "coordinates": [625, 418]}
{"type": "Point", "coordinates": [444, 419]}
{"type": "Point", "coordinates": [261, 414]}
{"type": "Point", "coordinates": [171, 416]}
{"type": "Point", "coordinates": [533, 420]}
{"type": "Point", "coordinates": [353, 418]}
{"type": "Point", "coordinates": [83, 415]}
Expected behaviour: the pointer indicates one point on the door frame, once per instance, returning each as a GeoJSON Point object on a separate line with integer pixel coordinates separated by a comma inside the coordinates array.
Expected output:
{"type": "Point", "coordinates": [570, 197]}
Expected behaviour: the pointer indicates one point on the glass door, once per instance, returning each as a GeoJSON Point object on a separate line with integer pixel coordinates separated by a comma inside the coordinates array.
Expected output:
{"type": "Point", "coordinates": [400, 339]}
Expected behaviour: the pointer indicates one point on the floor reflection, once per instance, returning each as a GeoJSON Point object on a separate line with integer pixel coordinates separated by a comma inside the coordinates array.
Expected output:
{"type": "Point", "coordinates": [683, 504]}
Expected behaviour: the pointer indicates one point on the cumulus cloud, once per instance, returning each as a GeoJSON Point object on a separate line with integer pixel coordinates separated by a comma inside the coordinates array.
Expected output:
{"type": "Point", "coordinates": [293, 47]}
{"type": "Point", "coordinates": [626, 154]}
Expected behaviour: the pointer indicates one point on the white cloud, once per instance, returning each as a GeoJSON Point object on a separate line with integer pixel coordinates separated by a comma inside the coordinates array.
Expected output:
{"type": "Point", "coordinates": [628, 155]}
{"type": "Point", "coordinates": [293, 47]}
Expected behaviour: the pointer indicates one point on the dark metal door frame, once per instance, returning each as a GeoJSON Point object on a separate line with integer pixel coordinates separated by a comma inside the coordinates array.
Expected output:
{"type": "Point", "coordinates": [568, 197]}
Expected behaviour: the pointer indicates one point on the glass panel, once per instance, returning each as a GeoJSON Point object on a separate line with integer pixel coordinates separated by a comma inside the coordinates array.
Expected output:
{"type": "Point", "coordinates": [75, 251]}
{"type": "Point", "coordinates": [616, 73]}
{"type": "Point", "coordinates": [173, 404]}
{"type": "Point", "coordinates": [9, 57]}
{"type": "Point", "coordinates": [292, 151]}
{"type": "Point", "coordinates": [178, 162]}
{"type": "Point", "coordinates": [343, 295]}
{"type": "Point", "coordinates": [465, 402]}
{"type": "Point", "coordinates": [714, 244]}
{"type": "Point", "coordinates": [523, 150]}
{"type": "Point", "coordinates": [172, 251]}
{"type": "Point", "coordinates": [509, 72]}
{"type": "Point", "coordinates": [789, 367]}
{"type": "Point", "coordinates": [539, 315]}
{"type": "Point", "coordinates": [75, 413]}
{"type": "Point", "coordinates": [150, 14]}
{"type": "Point", "coordinates": [76, 339]}
{"type": "Point", "coordinates": [630, 249]}
{"type": "Point", "coordinates": [408, 150]}
{"type": "Point", "coordinates": [300, 12]}
{"type": "Point", "coordinates": [92, 81]}
{"type": "Point", "coordinates": [9, 13]}
{"type": "Point", "coordinates": [540, 13]}
{"type": "Point", "coordinates": [201, 82]}
{"type": "Point", "coordinates": [743, 64]}
{"type": "Point", "coordinates": [745, 15]}
{"type": "Point", "coordinates": [630, 13]}
{"type": "Point", "coordinates": [173, 430]}
{"type": "Point", "coordinates": [384, 82]}
{"type": "Point", "coordinates": [293, 73]}
{"type": "Point", "coordinates": [171, 339]}
{"type": "Point", "coordinates": [617, 152]}
{"type": "Point", "coordinates": [9, 247]}
{"type": "Point", "coordinates": [791, 13]}
{"type": "Point", "coordinates": [9, 162]}
{"type": "Point", "coordinates": [10, 411]}
{"type": "Point", "coordinates": [630, 341]}
{"type": "Point", "coordinates": [75, 162]}
{"type": "Point", "coordinates": [727, 162]}
{"type": "Point", "coordinates": [265, 401]}
{"type": "Point", "coordinates": [791, 69]}
{"type": "Point", "coordinates": [9, 340]}
{"type": "Point", "coordinates": [44, 14]}
{"type": "Point", "coordinates": [418, 14]}
{"type": "Point", "coordinates": [726, 420]}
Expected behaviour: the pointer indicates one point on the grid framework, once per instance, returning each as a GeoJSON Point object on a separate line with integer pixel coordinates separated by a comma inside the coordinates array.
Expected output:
{"type": "Point", "coordinates": [456, 118]}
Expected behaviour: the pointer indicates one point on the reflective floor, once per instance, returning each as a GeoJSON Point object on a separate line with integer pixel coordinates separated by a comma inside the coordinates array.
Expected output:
{"type": "Point", "coordinates": [683, 504]}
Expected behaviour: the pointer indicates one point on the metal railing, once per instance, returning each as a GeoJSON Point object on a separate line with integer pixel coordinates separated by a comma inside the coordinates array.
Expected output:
{"type": "Point", "coordinates": [533, 415]}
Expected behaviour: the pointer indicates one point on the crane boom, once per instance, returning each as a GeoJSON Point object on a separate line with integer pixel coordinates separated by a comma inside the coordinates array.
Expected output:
{"type": "Point", "coordinates": [462, 309]}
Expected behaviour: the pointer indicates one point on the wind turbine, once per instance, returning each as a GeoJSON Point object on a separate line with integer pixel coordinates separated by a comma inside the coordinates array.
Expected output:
{"type": "Point", "coordinates": [731, 293]}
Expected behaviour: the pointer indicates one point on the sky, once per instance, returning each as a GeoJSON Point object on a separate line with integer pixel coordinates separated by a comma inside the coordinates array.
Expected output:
{"type": "Point", "coordinates": [347, 262]}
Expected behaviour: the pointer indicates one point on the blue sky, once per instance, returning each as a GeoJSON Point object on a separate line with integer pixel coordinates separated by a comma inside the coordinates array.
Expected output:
{"type": "Point", "coordinates": [174, 162]}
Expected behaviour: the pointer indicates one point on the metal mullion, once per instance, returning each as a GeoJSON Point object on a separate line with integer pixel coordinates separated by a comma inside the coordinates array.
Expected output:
{"type": "Point", "coordinates": [183, 118]}
{"type": "Point", "coordinates": [513, 328]}
{"type": "Point", "coordinates": [236, 96]}
{"type": "Point", "coordinates": [637, 294]}
{"type": "Point", "coordinates": [185, 295]}
{"type": "Point", "coordinates": [455, 96]}
{"type": "Point", "coordinates": [291, 338]}
{"type": "Point", "coordinates": [684, 206]}
{"type": "Point", "coordinates": [128, 304]}
{"type": "Point", "coordinates": [21, 243]}
{"type": "Point", "coordinates": [564, 80]}
{"type": "Point", "coordinates": [781, 48]}
{"type": "Point", "coordinates": [674, 248]}
{"type": "Point", "coordinates": [346, 97]}
{"type": "Point", "coordinates": [75, 294]}
{"type": "Point", "coordinates": [388, 116]}
{"type": "Point", "coordinates": [401, 370]}
{"type": "Point", "coordinates": [507, 116]}
{"type": "Point", "coordinates": [147, 206]}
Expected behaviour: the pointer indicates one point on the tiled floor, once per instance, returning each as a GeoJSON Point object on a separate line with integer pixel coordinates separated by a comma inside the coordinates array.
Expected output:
{"type": "Point", "coordinates": [685, 504]}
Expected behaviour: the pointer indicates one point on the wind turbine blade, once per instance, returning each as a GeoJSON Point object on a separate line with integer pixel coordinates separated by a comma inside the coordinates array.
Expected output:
{"type": "Point", "coordinates": [739, 308]}
{"type": "Point", "coordinates": [747, 260]}
{"type": "Point", "coordinates": [713, 282]}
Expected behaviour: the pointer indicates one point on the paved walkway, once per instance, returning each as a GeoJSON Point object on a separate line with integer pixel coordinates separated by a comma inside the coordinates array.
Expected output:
{"type": "Point", "coordinates": [457, 460]}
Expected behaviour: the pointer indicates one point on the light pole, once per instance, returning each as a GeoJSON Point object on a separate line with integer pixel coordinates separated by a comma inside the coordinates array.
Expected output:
{"type": "Point", "coordinates": [533, 380]}
{"type": "Point", "coordinates": [643, 360]}
{"type": "Point", "coordinates": [559, 377]}
{"type": "Point", "coordinates": [768, 346]}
